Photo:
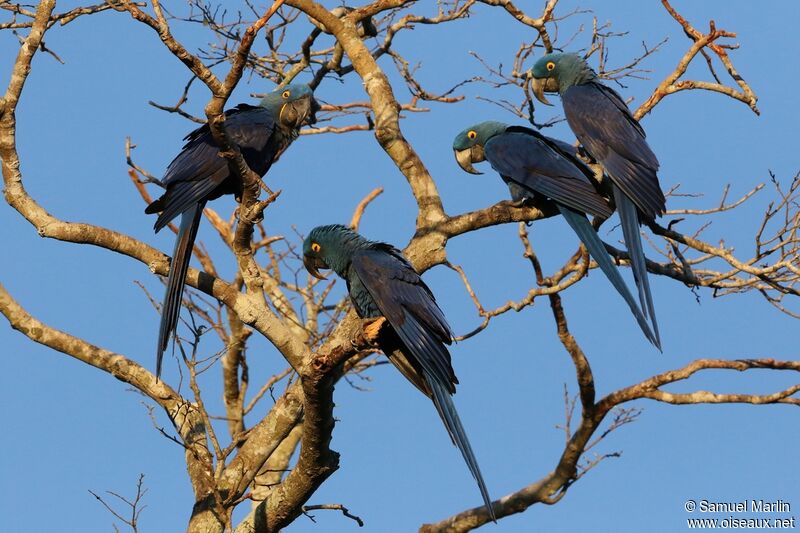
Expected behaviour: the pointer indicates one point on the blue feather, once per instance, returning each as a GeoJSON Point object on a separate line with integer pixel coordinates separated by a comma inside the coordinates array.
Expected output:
{"type": "Point", "coordinates": [447, 411]}
{"type": "Point", "coordinates": [609, 132]}
{"type": "Point", "coordinates": [190, 221]}
{"type": "Point", "coordinates": [381, 282]}
{"type": "Point", "coordinates": [531, 163]}
{"type": "Point", "coordinates": [629, 218]}
{"type": "Point", "coordinates": [587, 234]}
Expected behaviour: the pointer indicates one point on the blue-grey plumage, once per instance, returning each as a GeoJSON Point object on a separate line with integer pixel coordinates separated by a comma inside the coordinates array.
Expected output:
{"type": "Point", "coordinates": [608, 131]}
{"type": "Point", "coordinates": [629, 220]}
{"type": "Point", "coordinates": [587, 234]}
{"type": "Point", "coordinates": [383, 284]}
{"type": "Point", "coordinates": [171, 308]}
{"type": "Point", "coordinates": [532, 164]}
{"type": "Point", "coordinates": [198, 174]}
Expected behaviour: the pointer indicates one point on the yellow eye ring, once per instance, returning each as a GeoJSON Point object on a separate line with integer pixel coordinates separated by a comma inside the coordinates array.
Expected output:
{"type": "Point", "coordinates": [286, 94]}
{"type": "Point", "coordinates": [550, 66]}
{"type": "Point", "coordinates": [471, 134]}
{"type": "Point", "coordinates": [315, 247]}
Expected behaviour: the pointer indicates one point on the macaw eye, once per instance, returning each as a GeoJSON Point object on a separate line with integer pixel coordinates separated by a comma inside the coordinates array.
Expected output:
{"type": "Point", "coordinates": [550, 65]}
{"type": "Point", "coordinates": [314, 246]}
{"type": "Point", "coordinates": [471, 134]}
{"type": "Point", "coordinates": [286, 94]}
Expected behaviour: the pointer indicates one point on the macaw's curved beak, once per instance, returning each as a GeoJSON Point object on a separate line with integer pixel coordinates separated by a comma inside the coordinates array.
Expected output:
{"type": "Point", "coordinates": [540, 85]}
{"type": "Point", "coordinates": [465, 159]}
{"type": "Point", "coordinates": [300, 112]}
{"type": "Point", "coordinates": [314, 107]}
{"type": "Point", "coordinates": [312, 264]}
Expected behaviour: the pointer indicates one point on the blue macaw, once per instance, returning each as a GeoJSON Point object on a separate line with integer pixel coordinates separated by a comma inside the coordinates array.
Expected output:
{"type": "Point", "coordinates": [384, 287]}
{"type": "Point", "coordinates": [199, 174]}
{"type": "Point", "coordinates": [605, 127]}
{"type": "Point", "coordinates": [534, 165]}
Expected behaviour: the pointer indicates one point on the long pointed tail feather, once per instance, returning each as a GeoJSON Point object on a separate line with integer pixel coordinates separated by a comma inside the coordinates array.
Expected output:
{"type": "Point", "coordinates": [587, 234]}
{"type": "Point", "coordinates": [447, 411]}
{"type": "Point", "coordinates": [629, 218]}
{"type": "Point", "coordinates": [171, 309]}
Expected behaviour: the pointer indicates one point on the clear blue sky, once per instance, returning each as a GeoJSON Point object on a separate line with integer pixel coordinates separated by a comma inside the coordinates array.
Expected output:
{"type": "Point", "coordinates": [70, 428]}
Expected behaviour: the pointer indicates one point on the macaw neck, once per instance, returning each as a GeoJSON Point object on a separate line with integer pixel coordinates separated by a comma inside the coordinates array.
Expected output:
{"type": "Point", "coordinates": [340, 263]}
{"type": "Point", "coordinates": [286, 132]}
{"type": "Point", "coordinates": [341, 260]}
{"type": "Point", "coordinates": [577, 74]}
{"type": "Point", "coordinates": [280, 139]}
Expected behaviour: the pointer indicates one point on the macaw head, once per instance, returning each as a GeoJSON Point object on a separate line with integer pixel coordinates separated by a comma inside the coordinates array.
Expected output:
{"type": "Point", "coordinates": [468, 145]}
{"type": "Point", "coordinates": [292, 106]}
{"type": "Point", "coordinates": [557, 72]}
{"type": "Point", "coordinates": [330, 247]}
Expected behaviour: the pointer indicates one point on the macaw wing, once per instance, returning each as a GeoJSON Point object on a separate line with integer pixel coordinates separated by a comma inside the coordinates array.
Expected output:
{"type": "Point", "coordinates": [606, 128]}
{"type": "Point", "coordinates": [184, 196]}
{"type": "Point", "coordinates": [409, 307]}
{"type": "Point", "coordinates": [567, 148]}
{"type": "Point", "coordinates": [250, 127]}
{"type": "Point", "coordinates": [535, 162]}
{"type": "Point", "coordinates": [199, 169]}
{"type": "Point", "coordinates": [564, 149]}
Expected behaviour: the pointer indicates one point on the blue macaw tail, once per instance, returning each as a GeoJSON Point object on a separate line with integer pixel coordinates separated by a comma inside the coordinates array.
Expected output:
{"type": "Point", "coordinates": [587, 234]}
{"type": "Point", "coordinates": [171, 309]}
{"type": "Point", "coordinates": [629, 218]}
{"type": "Point", "coordinates": [447, 411]}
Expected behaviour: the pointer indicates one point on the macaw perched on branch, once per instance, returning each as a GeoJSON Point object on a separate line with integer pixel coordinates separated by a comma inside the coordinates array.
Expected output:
{"type": "Point", "coordinates": [605, 127]}
{"type": "Point", "coordinates": [533, 165]}
{"type": "Point", "coordinates": [384, 287]}
{"type": "Point", "coordinates": [199, 174]}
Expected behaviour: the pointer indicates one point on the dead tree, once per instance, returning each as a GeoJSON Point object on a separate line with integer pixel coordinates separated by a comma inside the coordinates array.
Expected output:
{"type": "Point", "coordinates": [295, 313]}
